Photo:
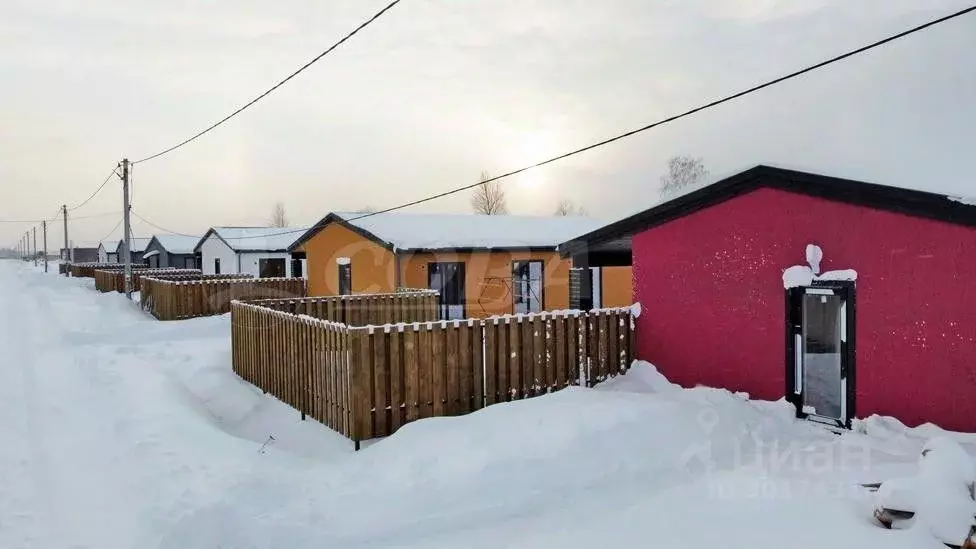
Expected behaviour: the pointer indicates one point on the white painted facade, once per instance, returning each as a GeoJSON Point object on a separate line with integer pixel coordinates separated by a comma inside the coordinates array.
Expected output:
{"type": "Point", "coordinates": [249, 261]}
{"type": "Point", "coordinates": [232, 262]}
{"type": "Point", "coordinates": [214, 248]}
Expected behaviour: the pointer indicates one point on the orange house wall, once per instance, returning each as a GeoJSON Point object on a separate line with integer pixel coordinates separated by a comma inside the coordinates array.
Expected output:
{"type": "Point", "coordinates": [371, 264]}
{"type": "Point", "coordinates": [488, 275]}
{"type": "Point", "coordinates": [488, 278]}
{"type": "Point", "coordinates": [618, 287]}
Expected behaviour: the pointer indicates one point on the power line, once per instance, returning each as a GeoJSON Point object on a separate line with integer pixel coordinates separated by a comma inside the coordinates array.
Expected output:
{"type": "Point", "coordinates": [164, 229]}
{"type": "Point", "coordinates": [690, 112]}
{"type": "Point", "coordinates": [661, 122]}
{"type": "Point", "coordinates": [98, 190]}
{"type": "Point", "coordinates": [112, 231]}
{"type": "Point", "coordinates": [276, 86]}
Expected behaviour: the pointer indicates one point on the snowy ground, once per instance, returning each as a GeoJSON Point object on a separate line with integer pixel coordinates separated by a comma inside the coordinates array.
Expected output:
{"type": "Point", "coordinates": [123, 432]}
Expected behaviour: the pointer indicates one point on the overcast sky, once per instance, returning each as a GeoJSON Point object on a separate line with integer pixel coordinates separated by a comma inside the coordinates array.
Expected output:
{"type": "Point", "coordinates": [438, 90]}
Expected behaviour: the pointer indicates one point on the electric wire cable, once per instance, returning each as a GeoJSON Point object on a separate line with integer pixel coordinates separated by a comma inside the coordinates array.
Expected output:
{"type": "Point", "coordinates": [619, 137]}
{"type": "Point", "coordinates": [241, 109]}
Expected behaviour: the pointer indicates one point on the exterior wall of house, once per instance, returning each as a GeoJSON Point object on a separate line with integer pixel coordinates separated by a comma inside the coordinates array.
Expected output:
{"type": "Point", "coordinates": [250, 262]}
{"type": "Point", "coordinates": [714, 310]}
{"type": "Point", "coordinates": [617, 286]}
{"type": "Point", "coordinates": [371, 264]}
{"type": "Point", "coordinates": [112, 257]}
{"type": "Point", "coordinates": [102, 254]}
{"type": "Point", "coordinates": [213, 248]}
{"type": "Point", "coordinates": [488, 278]}
{"type": "Point", "coordinates": [163, 257]}
{"type": "Point", "coordinates": [179, 261]}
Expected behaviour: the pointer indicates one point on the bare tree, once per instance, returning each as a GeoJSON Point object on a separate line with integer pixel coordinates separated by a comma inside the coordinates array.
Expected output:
{"type": "Point", "coordinates": [683, 172]}
{"type": "Point", "coordinates": [489, 198]}
{"type": "Point", "coordinates": [567, 207]}
{"type": "Point", "coordinates": [278, 216]}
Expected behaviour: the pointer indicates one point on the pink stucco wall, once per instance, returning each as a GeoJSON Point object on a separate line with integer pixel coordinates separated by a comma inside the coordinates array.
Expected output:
{"type": "Point", "coordinates": [714, 308]}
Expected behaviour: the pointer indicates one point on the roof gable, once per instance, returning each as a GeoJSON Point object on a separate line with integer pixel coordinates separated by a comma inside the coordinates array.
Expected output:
{"type": "Point", "coordinates": [252, 239]}
{"type": "Point", "coordinates": [175, 243]}
{"type": "Point", "coordinates": [136, 245]}
{"type": "Point", "coordinates": [401, 231]}
{"type": "Point", "coordinates": [870, 195]}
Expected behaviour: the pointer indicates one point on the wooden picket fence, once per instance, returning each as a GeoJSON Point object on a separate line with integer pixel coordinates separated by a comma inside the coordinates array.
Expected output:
{"type": "Point", "coordinates": [147, 284]}
{"type": "Point", "coordinates": [87, 270]}
{"type": "Point", "coordinates": [303, 361]}
{"type": "Point", "coordinates": [114, 280]}
{"type": "Point", "coordinates": [181, 299]}
{"type": "Point", "coordinates": [418, 305]}
{"type": "Point", "coordinates": [378, 378]}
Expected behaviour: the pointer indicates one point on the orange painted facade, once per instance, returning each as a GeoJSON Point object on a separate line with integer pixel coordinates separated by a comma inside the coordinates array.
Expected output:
{"type": "Point", "coordinates": [617, 287]}
{"type": "Point", "coordinates": [372, 264]}
{"type": "Point", "coordinates": [488, 274]}
{"type": "Point", "coordinates": [488, 278]}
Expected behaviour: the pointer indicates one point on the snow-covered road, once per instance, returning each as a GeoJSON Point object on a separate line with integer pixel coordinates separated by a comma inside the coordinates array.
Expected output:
{"type": "Point", "coordinates": [120, 432]}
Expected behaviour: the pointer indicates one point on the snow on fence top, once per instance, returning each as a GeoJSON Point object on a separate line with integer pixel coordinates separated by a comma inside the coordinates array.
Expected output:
{"type": "Point", "coordinates": [302, 318]}
{"type": "Point", "coordinates": [448, 231]}
{"type": "Point", "coordinates": [353, 297]}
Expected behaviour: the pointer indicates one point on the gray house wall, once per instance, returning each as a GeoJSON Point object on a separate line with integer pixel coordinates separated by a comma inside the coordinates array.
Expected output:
{"type": "Point", "coordinates": [167, 259]}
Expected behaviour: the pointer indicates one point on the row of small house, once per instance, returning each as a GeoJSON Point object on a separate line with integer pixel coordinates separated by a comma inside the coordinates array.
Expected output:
{"type": "Point", "coordinates": [480, 265]}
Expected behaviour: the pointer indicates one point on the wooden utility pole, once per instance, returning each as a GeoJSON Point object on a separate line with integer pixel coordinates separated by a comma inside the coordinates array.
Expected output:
{"type": "Point", "coordinates": [44, 230]}
{"type": "Point", "coordinates": [35, 245]}
{"type": "Point", "coordinates": [64, 216]}
{"type": "Point", "coordinates": [125, 227]}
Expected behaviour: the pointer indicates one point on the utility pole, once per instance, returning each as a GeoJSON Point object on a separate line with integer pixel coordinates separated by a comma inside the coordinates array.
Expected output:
{"type": "Point", "coordinates": [35, 245]}
{"type": "Point", "coordinates": [64, 216]}
{"type": "Point", "coordinates": [125, 228]}
{"type": "Point", "coordinates": [44, 229]}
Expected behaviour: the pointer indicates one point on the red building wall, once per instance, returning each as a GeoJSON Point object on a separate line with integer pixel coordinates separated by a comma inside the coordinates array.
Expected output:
{"type": "Point", "coordinates": [714, 308]}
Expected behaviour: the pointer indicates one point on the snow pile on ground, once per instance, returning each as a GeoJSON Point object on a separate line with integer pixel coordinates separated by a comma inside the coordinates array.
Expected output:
{"type": "Point", "coordinates": [939, 498]}
{"type": "Point", "coordinates": [126, 432]}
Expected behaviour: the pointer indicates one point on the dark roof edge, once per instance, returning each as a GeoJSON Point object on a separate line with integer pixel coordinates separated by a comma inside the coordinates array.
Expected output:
{"type": "Point", "coordinates": [883, 197]}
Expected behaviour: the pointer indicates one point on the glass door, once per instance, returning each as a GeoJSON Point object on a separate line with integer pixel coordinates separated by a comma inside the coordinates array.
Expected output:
{"type": "Point", "coordinates": [820, 341]}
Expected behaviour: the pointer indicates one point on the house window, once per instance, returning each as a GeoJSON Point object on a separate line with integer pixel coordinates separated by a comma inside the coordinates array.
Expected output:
{"type": "Point", "coordinates": [345, 279]}
{"type": "Point", "coordinates": [271, 267]}
{"type": "Point", "coordinates": [296, 268]}
{"type": "Point", "coordinates": [216, 265]}
{"type": "Point", "coordinates": [189, 262]}
{"type": "Point", "coordinates": [527, 292]}
{"type": "Point", "coordinates": [448, 280]}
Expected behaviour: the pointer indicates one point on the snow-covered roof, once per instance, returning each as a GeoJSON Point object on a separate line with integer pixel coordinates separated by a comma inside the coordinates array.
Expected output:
{"type": "Point", "coordinates": [177, 244]}
{"type": "Point", "coordinates": [432, 231]}
{"type": "Point", "coordinates": [137, 245]}
{"type": "Point", "coordinates": [109, 246]}
{"type": "Point", "coordinates": [265, 239]}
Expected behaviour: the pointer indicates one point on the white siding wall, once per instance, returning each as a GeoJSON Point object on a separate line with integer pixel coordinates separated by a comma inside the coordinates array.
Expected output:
{"type": "Point", "coordinates": [249, 262]}
{"type": "Point", "coordinates": [212, 248]}
{"type": "Point", "coordinates": [102, 255]}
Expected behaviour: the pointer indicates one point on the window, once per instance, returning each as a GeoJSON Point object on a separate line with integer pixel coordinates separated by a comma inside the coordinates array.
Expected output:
{"type": "Point", "coordinates": [527, 278]}
{"type": "Point", "coordinates": [271, 267]}
{"type": "Point", "coordinates": [216, 265]}
{"type": "Point", "coordinates": [189, 262]}
{"type": "Point", "coordinates": [448, 280]}
{"type": "Point", "coordinates": [345, 279]}
{"type": "Point", "coordinates": [296, 268]}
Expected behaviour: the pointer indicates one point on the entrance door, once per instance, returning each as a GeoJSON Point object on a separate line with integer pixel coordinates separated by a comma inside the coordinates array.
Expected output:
{"type": "Point", "coordinates": [820, 344]}
{"type": "Point", "coordinates": [448, 279]}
